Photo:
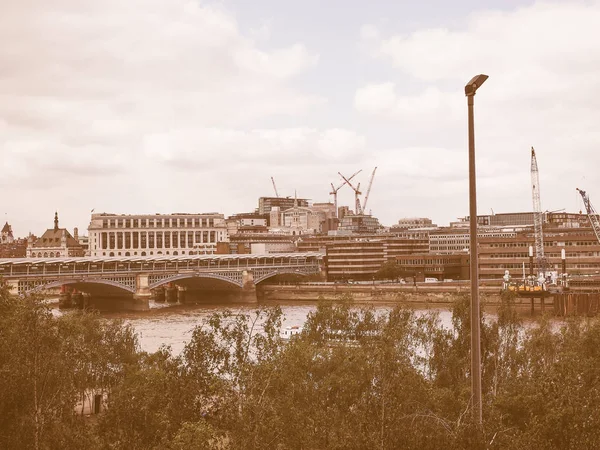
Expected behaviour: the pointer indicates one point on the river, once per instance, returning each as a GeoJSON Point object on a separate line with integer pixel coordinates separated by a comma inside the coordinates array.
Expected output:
{"type": "Point", "coordinates": [172, 325]}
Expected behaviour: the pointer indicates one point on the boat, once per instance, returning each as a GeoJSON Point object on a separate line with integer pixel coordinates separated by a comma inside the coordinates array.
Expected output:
{"type": "Point", "coordinates": [288, 332]}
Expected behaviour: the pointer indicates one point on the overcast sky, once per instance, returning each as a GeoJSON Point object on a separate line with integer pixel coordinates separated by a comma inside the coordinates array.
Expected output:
{"type": "Point", "coordinates": [144, 106]}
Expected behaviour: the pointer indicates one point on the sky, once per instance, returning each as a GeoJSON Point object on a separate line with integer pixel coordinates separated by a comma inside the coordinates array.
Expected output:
{"type": "Point", "coordinates": [164, 106]}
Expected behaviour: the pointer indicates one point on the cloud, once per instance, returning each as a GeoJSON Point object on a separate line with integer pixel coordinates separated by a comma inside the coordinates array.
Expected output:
{"type": "Point", "coordinates": [543, 61]}
{"type": "Point", "coordinates": [89, 89]}
{"type": "Point", "coordinates": [204, 148]}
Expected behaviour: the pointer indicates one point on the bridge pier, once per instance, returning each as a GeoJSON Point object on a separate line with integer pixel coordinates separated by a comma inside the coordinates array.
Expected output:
{"type": "Point", "coordinates": [248, 293]}
{"type": "Point", "coordinates": [141, 298]}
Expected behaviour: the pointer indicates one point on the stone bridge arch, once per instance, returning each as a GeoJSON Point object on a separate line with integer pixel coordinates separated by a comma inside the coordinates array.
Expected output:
{"type": "Point", "coordinates": [234, 278]}
{"type": "Point", "coordinates": [127, 286]}
{"type": "Point", "coordinates": [258, 277]}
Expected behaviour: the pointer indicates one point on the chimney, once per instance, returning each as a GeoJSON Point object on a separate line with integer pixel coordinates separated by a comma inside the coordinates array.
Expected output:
{"type": "Point", "coordinates": [76, 234]}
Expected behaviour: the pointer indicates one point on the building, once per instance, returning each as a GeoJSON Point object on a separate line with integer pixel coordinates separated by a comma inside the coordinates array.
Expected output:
{"type": "Point", "coordinates": [156, 234]}
{"type": "Point", "coordinates": [448, 241]}
{"type": "Point", "coordinates": [525, 219]}
{"type": "Point", "coordinates": [261, 243]}
{"type": "Point", "coordinates": [247, 223]}
{"type": "Point", "coordinates": [441, 267]}
{"type": "Point", "coordinates": [54, 243]}
{"type": "Point", "coordinates": [582, 249]}
{"type": "Point", "coordinates": [6, 236]}
{"type": "Point", "coordinates": [327, 208]}
{"type": "Point", "coordinates": [343, 211]}
{"type": "Point", "coordinates": [265, 204]}
{"type": "Point", "coordinates": [356, 259]}
{"type": "Point", "coordinates": [303, 219]}
{"type": "Point", "coordinates": [412, 222]}
{"type": "Point", "coordinates": [359, 257]}
{"type": "Point", "coordinates": [15, 249]}
{"type": "Point", "coordinates": [359, 223]}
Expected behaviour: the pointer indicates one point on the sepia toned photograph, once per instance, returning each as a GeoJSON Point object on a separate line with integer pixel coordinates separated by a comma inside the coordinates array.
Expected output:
{"type": "Point", "coordinates": [303, 225]}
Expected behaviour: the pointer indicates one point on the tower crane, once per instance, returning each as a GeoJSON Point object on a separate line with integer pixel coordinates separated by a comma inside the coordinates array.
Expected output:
{"type": "Point", "coordinates": [335, 190]}
{"type": "Point", "coordinates": [364, 206]}
{"type": "Point", "coordinates": [591, 213]}
{"type": "Point", "coordinates": [274, 187]}
{"type": "Point", "coordinates": [537, 214]}
{"type": "Point", "coordinates": [356, 193]}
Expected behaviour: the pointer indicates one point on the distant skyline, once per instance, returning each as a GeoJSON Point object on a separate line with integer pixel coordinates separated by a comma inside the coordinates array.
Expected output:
{"type": "Point", "coordinates": [146, 106]}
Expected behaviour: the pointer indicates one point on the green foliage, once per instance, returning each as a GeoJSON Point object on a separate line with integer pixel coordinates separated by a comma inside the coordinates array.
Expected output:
{"type": "Point", "coordinates": [389, 270]}
{"type": "Point", "coordinates": [47, 365]}
{"type": "Point", "coordinates": [356, 378]}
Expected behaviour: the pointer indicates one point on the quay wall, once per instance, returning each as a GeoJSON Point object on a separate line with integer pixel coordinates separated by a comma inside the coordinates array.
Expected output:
{"type": "Point", "coordinates": [442, 295]}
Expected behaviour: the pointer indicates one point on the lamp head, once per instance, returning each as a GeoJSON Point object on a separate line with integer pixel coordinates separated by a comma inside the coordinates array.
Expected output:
{"type": "Point", "coordinates": [474, 84]}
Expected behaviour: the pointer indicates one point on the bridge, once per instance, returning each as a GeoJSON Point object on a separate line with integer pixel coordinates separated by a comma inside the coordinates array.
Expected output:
{"type": "Point", "coordinates": [135, 277]}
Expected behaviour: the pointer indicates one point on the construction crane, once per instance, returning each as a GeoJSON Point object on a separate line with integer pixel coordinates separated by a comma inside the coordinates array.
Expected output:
{"type": "Point", "coordinates": [335, 190]}
{"type": "Point", "coordinates": [356, 193]}
{"type": "Point", "coordinates": [537, 215]}
{"type": "Point", "coordinates": [364, 206]}
{"type": "Point", "coordinates": [275, 187]}
{"type": "Point", "coordinates": [591, 213]}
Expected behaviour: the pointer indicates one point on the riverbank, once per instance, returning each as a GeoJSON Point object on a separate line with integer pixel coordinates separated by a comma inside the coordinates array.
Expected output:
{"type": "Point", "coordinates": [381, 294]}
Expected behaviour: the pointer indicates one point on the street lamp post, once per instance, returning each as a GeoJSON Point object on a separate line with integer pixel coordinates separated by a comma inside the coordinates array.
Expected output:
{"type": "Point", "coordinates": [470, 90]}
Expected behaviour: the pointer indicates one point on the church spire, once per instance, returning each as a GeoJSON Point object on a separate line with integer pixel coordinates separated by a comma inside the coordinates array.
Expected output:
{"type": "Point", "coordinates": [55, 220]}
{"type": "Point", "coordinates": [295, 199]}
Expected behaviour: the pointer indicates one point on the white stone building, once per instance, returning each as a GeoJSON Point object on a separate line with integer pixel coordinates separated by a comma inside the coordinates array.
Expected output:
{"type": "Point", "coordinates": [155, 234]}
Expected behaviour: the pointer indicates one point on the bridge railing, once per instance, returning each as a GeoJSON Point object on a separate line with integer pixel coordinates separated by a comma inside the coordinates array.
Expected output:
{"type": "Point", "coordinates": [94, 268]}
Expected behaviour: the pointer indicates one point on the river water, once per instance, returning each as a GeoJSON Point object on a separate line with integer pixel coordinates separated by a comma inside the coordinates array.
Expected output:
{"type": "Point", "coordinates": [172, 325]}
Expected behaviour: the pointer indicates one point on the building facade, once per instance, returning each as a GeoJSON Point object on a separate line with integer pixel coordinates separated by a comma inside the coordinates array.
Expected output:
{"type": "Point", "coordinates": [354, 259]}
{"type": "Point", "coordinates": [156, 234]}
{"type": "Point", "coordinates": [6, 236]}
{"type": "Point", "coordinates": [448, 241]}
{"type": "Point", "coordinates": [441, 267]}
{"type": "Point", "coordinates": [413, 222]}
{"type": "Point", "coordinates": [359, 223]}
{"type": "Point", "coordinates": [265, 204]}
{"type": "Point", "coordinates": [582, 251]}
{"type": "Point", "coordinates": [54, 243]}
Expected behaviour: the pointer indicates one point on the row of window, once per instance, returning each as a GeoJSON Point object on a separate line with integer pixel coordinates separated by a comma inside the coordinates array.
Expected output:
{"type": "Point", "coordinates": [547, 244]}
{"type": "Point", "coordinates": [187, 222]}
{"type": "Point", "coordinates": [207, 251]}
{"type": "Point", "coordinates": [429, 262]}
{"type": "Point", "coordinates": [137, 239]}
{"type": "Point", "coordinates": [45, 255]}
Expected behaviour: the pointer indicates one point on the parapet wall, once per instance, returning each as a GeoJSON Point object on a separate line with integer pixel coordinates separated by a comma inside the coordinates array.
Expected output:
{"type": "Point", "coordinates": [377, 294]}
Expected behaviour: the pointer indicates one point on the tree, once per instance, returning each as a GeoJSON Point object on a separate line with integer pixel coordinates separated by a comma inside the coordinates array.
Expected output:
{"type": "Point", "coordinates": [388, 271]}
